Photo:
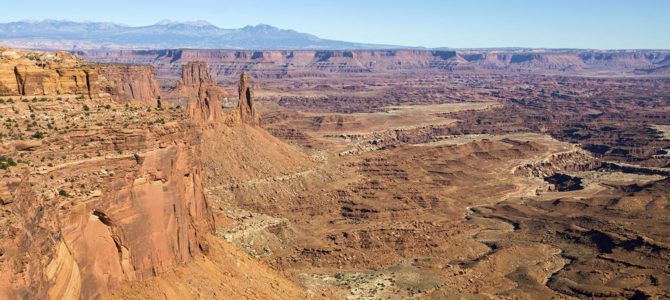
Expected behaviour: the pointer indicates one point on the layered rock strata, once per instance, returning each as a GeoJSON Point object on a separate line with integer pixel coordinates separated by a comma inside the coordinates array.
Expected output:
{"type": "Point", "coordinates": [246, 108]}
{"type": "Point", "coordinates": [292, 63]}
{"type": "Point", "coordinates": [198, 90]}
{"type": "Point", "coordinates": [35, 74]}
{"type": "Point", "coordinates": [95, 193]}
{"type": "Point", "coordinates": [131, 83]}
{"type": "Point", "coordinates": [24, 73]}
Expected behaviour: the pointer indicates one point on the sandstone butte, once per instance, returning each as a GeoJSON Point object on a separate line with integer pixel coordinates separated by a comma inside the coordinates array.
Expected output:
{"type": "Point", "coordinates": [121, 198]}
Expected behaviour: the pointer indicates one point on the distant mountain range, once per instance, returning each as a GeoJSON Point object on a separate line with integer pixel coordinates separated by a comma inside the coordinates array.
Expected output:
{"type": "Point", "coordinates": [69, 35]}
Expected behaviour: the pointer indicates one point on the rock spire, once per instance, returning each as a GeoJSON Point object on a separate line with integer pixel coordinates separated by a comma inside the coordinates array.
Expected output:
{"type": "Point", "coordinates": [246, 107]}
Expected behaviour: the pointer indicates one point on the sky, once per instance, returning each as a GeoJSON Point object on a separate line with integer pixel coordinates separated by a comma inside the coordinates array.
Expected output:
{"type": "Point", "coordinates": [596, 24]}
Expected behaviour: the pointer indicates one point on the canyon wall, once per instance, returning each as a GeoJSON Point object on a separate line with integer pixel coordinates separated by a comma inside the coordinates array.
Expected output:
{"type": "Point", "coordinates": [134, 216]}
{"type": "Point", "coordinates": [288, 63]}
{"type": "Point", "coordinates": [131, 83]}
{"type": "Point", "coordinates": [36, 74]}
{"type": "Point", "coordinates": [113, 197]}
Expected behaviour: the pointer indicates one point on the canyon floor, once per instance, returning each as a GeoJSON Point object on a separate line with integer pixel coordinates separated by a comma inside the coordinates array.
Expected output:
{"type": "Point", "coordinates": [470, 187]}
{"type": "Point", "coordinates": [396, 185]}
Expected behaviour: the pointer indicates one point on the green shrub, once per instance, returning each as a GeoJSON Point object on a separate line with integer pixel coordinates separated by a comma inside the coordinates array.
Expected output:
{"type": "Point", "coordinates": [6, 162]}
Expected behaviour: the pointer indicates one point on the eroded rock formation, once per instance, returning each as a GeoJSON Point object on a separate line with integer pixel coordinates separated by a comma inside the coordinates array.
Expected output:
{"type": "Point", "coordinates": [288, 63]}
{"type": "Point", "coordinates": [115, 196]}
{"type": "Point", "coordinates": [131, 83]}
{"type": "Point", "coordinates": [246, 108]}
{"type": "Point", "coordinates": [573, 160]}
{"type": "Point", "coordinates": [36, 74]}
{"type": "Point", "coordinates": [198, 90]}
{"type": "Point", "coordinates": [138, 215]}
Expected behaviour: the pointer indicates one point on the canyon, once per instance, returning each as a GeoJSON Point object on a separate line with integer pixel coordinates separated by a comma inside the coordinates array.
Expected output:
{"type": "Point", "coordinates": [314, 63]}
{"type": "Point", "coordinates": [100, 185]}
{"type": "Point", "coordinates": [334, 174]}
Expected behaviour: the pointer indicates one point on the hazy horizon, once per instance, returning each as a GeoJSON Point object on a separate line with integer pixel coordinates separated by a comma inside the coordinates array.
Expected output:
{"type": "Point", "coordinates": [433, 24]}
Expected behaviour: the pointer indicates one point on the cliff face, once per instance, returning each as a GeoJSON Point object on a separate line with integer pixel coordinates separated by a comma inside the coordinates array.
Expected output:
{"type": "Point", "coordinates": [198, 90]}
{"type": "Point", "coordinates": [131, 83]}
{"type": "Point", "coordinates": [144, 214]}
{"type": "Point", "coordinates": [287, 63]}
{"type": "Point", "coordinates": [37, 74]}
{"type": "Point", "coordinates": [92, 204]}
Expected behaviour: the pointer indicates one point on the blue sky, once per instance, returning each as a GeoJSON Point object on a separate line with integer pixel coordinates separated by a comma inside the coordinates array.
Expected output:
{"type": "Point", "coordinates": [601, 24]}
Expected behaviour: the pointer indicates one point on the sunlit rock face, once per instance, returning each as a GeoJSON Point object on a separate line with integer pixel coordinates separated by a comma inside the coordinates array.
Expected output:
{"type": "Point", "coordinates": [94, 193]}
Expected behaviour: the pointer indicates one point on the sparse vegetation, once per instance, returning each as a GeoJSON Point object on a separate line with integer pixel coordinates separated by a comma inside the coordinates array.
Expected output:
{"type": "Point", "coordinates": [6, 162]}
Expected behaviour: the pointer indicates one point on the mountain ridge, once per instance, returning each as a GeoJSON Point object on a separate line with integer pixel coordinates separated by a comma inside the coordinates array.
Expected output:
{"type": "Point", "coordinates": [199, 34]}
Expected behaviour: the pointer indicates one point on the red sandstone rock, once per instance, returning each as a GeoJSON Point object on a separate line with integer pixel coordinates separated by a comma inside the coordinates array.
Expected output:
{"type": "Point", "coordinates": [131, 83]}
{"type": "Point", "coordinates": [200, 92]}
{"type": "Point", "coordinates": [24, 73]}
{"type": "Point", "coordinates": [289, 63]}
{"type": "Point", "coordinates": [118, 200]}
{"type": "Point", "coordinates": [246, 108]}
{"type": "Point", "coordinates": [149, 217]}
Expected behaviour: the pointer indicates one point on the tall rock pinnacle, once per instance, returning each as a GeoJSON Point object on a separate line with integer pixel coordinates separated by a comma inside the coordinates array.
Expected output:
{"type": "Point", "coordinates": [246, 105]}
{"type": "Point", "coordinates": [203, 94]}
{"type": "Point", "coordinates": [196, 73]}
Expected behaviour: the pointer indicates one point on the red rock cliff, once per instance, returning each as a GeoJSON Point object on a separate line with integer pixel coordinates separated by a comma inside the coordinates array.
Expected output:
{"type": "Point", "coordinates": [145, 215]}
{"type": "Point", "coordinates": [202, 95]}
{"type": "Point", "coordinates": [131, 83]}
{"type": "Point", "coordinates": [246, 107]}
{"type": "Point", "coordinates": [93, 206]}
{"type": "Point", "coordinates": [292, 63]}
{"type": "Point", "coordinates": [24, 73]}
